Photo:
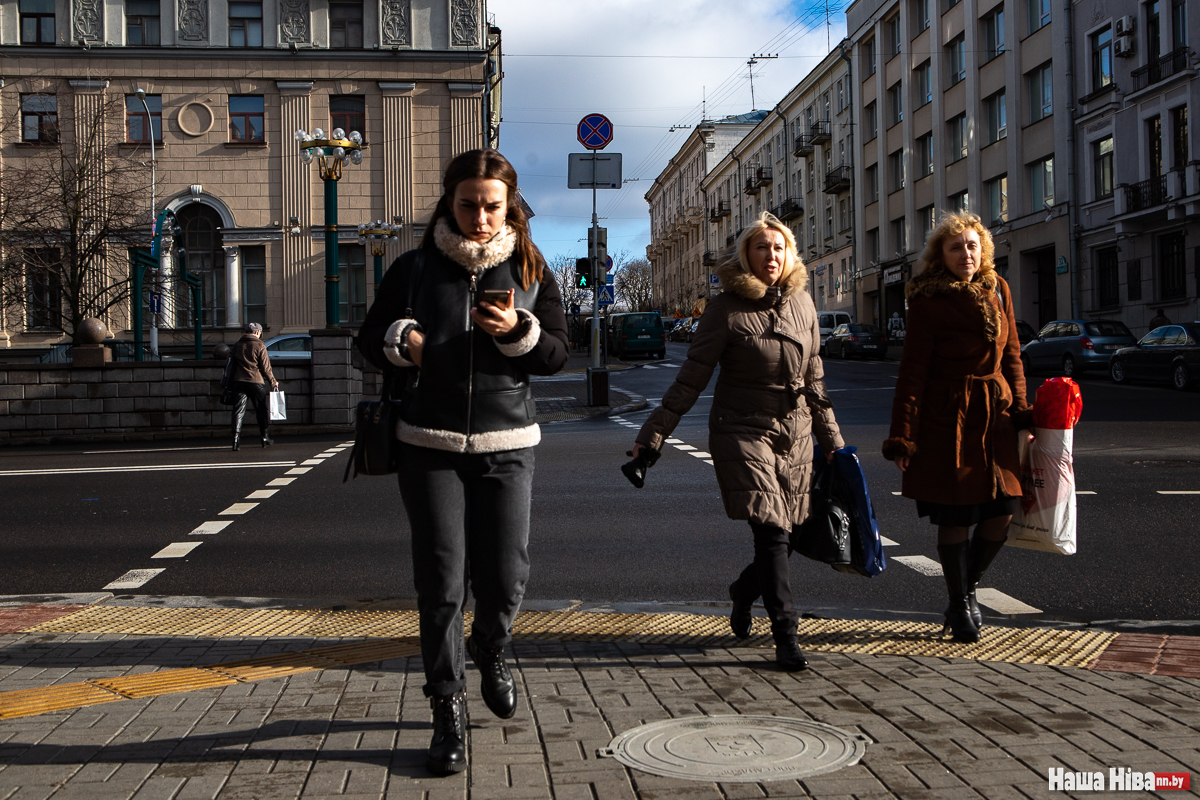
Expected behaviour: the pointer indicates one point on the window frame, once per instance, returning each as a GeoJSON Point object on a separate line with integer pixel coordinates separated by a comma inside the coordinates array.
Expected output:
{"type": "Point", "coordinates": [1103, 169]}
{"type": "Point", "coordinates": [894, 36]}
{"type": "Point", "coordinates": [871, 174]}
{"type": "Point", "coordinates": [959, 201]}
{"type": "Point", "coordinates": [348, 45]}
{"type": "Point", "coordinates": [924, 83]}
{"type": "Point", "coordinates": [1108, 277]}
{"type": "Point", "coordinates": [996, 107]}
{"type": "Point", "coordinates": [922, 15]}
{"type": "Point", "coordinates": [247, 116]}
{"type": "Point", "coordinates": [871, 120]}
{"type": "Point", "coordinates": [1101, 52]}
{"type": "Point", "coordinates": [895, 104]}
{"type": "Point", "coordinates": [1040, 87]}
{"type": "Point", "coordinates": [925, 159]}
{"type": "Point", "coordinates": [134, 110]}
{"type": "Point", "coordinates": [994, 45]}
{"type": "Point", "coordinates": [47, 132]}
{"type": "Point", "coordinates": [896, 171]}
{"type": "Point", "coordinates": [958, 139]}
{"type": "Point", "coordinates": [1040, 14]}
{"type": "Point", "coordinates": [997, 195]}
{"type": "Point", "coordinates": [48, 289]}
{"type": "Point", "coordinates": [870, 65]}
{"type": "Point", "coordinates": [253, 260]}
{"type": "Point", "coordinates": [247, 27]}
{"type": "Point", "coordinates": [956, 52]}
{"type": "Point", "coordinates": [1039, 171]}
{"type": "Point", "coordinates": [144, 24]}
{"type": "Point", "coordinates": [346, 116]}
{"type": "Point", "coordinates": [38, 18]}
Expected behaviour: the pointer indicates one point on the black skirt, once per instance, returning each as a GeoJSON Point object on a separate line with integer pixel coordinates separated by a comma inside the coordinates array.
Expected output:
{"type": "Point", "coordinates": [955, 516]}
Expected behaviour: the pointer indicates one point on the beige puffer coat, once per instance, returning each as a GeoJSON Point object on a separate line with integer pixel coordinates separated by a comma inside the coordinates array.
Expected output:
{"type": "Point", "coordinates": [769, 396]}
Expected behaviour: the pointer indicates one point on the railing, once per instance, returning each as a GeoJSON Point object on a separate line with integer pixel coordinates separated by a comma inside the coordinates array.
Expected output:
{"type": "Point", "coordinates": [788, 209]}
{"type": "Point", "coordinates": [763, 176]}
{"type": "Point", "coordinates": [837, 179]}
{"type": "Point", "coordinates": [1146, 194]}
{"type": "Point", "coordinates": [751, 186]}
{"type": "Point", "coordinates": [804, 146]}
{"type": "Point", "coordinates": [721, 209]}
{"type": "Point", "coordinates": [1172, 63]}
{"type": "Point", "coordinates": [121, 351]}
{"type": "Point", "coordinates": [819, 132]}
{"type": "Point", "coordinates": [710, 258]}
{"type": "Point", "coordinates": [730, 239]}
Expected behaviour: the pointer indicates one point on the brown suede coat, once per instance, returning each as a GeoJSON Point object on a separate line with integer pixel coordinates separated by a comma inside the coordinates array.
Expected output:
{"type": "Point", "coordinates": [768, 400]}
{"type": "Point", "coordinates": [250, 361]}
{"type": "Point", "coordinates": [960, 386]}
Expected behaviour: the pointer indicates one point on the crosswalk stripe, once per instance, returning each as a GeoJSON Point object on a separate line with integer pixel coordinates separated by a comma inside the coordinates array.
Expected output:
{"type": "Point", "coordinates": [922, 564]}
{"type": "Point", "coordinates": [999, 601]}
{"type": "Point", "coordinates": [886, 542]}
{"type": "Point", "coordinates": [177, 550]}
{"type": "Point", "coordinates": [212, 526]}
{"type": "Point", "coordinates": [238, 508]}
{"type": "Point", "coordinates": [133, 579]}
{"type": "Point", "coordinates": [146, 468]}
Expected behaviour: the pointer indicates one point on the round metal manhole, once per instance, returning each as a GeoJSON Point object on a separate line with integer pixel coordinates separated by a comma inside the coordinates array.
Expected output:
{"type": "Point", "coordinates": [736, 749]}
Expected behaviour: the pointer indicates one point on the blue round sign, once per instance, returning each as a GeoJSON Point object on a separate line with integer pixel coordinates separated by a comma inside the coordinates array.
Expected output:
{"type": "Point", "coordinates": [595, 131]}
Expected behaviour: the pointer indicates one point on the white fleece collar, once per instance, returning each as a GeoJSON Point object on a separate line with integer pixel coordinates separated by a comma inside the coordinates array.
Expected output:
{"type": "Point", "coordinates": [475, 256]}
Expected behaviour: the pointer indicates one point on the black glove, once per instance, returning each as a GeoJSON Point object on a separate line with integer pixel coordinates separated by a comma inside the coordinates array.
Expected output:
{"type": "Point", "coordinates": [635, 470]}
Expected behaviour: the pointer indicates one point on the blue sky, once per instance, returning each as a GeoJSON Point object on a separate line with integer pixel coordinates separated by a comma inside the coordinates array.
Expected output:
{"type": "Point", "coordinates": [635, 61]}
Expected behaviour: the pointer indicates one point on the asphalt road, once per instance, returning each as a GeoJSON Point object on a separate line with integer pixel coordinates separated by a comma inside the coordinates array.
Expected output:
{"type": "Point", "coordinates": [77, 518]}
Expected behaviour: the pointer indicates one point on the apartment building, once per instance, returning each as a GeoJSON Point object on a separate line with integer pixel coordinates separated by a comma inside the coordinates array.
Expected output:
{"type": "Point", "coordinates": [227, 83]}
{"type": "Point", "coordinates": [965, 104]}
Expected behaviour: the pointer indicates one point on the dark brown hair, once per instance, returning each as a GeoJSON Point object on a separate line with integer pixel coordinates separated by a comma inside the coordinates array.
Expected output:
{"type": "Point", "coordinates": [489, 164]}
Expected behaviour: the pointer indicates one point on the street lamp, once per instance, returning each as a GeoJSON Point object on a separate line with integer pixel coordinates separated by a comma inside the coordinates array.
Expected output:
{"type": "Point", "coordinates": [331, 154]}
{"type": "Point", "coordinates": [141, 95]}
{"type": "Point", "coordinates": [379, 233]}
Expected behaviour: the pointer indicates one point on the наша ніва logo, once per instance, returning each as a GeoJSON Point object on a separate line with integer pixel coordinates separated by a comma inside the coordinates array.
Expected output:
{"type": "Point", "coordinates": [1119, 779]}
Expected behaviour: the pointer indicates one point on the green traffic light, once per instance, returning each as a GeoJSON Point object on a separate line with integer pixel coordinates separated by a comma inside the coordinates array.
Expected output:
{"type": "Point", "coordinates": [581, 282]}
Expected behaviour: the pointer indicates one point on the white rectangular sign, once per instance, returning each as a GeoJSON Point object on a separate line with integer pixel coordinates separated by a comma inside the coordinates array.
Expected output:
{"type": "Point", "coordinates": [593, 170]}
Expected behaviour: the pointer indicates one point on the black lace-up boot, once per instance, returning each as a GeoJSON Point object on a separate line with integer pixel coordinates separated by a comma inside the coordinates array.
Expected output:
{"type": "Point", "coordinates": [788, 655]}
{"type": "Point", "coordinates": [448, 749]}
{"type": "Point", "coordinates": [496, 682]}
{"type": "Point", "coordinates": [959, 623]}
{"type": "Point", "coordinates": [741, 616]}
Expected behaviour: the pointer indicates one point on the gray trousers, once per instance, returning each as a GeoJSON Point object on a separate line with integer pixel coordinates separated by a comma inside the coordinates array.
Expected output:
{"type": "Point", "coordinates": [469, 514]}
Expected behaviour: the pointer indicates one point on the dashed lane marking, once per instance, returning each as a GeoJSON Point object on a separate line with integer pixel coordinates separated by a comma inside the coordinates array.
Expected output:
{"type": "Point", "coordinates": [177, 550]}
{"type": "Point", "coordinates": [133, 579]}
{"type": "Point", "coordinates": [238, 508]}
{"type": "Point", "coordinates": [151, 450]}
{"type": "Point", "coordinates": [674, 441]}
{"type": "Point", "coordinates": [261, 494]}
{"type": "Point", "coordinates": [299, 471]}
{"type": "Point", "coordinates": [922, 564]}
{"type": "Point", "coordinates": [212, 526]}
{"type": "Point", "coordinates": [700, 454]}
{"type": "Point", "coordinates": [1189, 491]}
{"type": "Point", "coordinates": [280, 482]}
{"type": "Point", "coordinates": [1085, 493]}
{"type": "Point", "coordinates": [684, 447]}
{"type": "Point", "coordinates": [310, 462]}
{"type": "Point", "coordinates": [150, 468]}
{"type": "Point", "coordinates": [999, 601]}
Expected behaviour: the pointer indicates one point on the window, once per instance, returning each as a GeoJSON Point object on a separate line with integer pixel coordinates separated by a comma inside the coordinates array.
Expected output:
{"type": "Point", "coordinates": [926, 217]}
{"type": "Point", "coordinates": [812, 231]}
{"type": "Point", "coordinates": [956, 134]}
{"type": "Point", "coordinates": [924, 85]}
{"type": "Point", "coordinates": [1178, 25]}
{"type": "Point", "coordinates": [1041, 185]}
{"type": "Point", "coordinates": [993, 35]}
{"type": "Point", "coordinates": [1039, 14]}
{"type": "Point", "coordinates": [870, 120]}
{"type": "Point", "coordinates": [39, 118]}
{"type": "Point", "coordinates": [997, 117]}
{"type": "Point", "coordinates": [900, 235]}
{"type": "Point", "coordinates": [1107, 278]}
{"type": "Point", "coordinates": [873, 244]}
{"type": "Point", "coordinates": [246, 119]}
{"type": "Point", "coordinates": [37, 21]}
{"type": "Point", "coordinates": [951, 4]}
{"type": "Point", "coordinates": [841, 98]}
{"type": "Point", "coordinates": [1133, 279]}
{"type": "Point", "coordinates": [825, 104]}
{"type": "Point", "coordinates": [206, 259]}
{"type": "Point", "coordinates": [1001, 265]}
{"type": "Point", "coordinates": [828, 219]}
{"type": "Point", "coordinates": [997, 193]}
{"type": "Point", "coordinates": [868, 56]}
{"type": "Point", "coordinates": [896, 171]}
{"type": "Point", "coordinates": [137, 124]}
{"type": "Point", "coordinates": [1102, 161]}
{"type": "Point", "coordinates": [957, 52]}
{"type": "Point", "coordinates": [893, 34]}
{"type": "Point", "coordinates": [352, 277]}
{"type": "Point", "coordinates": [925, 155]}
{"type": "Point", "coordinates": [141, 22]}
{"type": "Point", "coordinates": [245, 24]}
{"type": "Point", "coordinates": [844, 214]}
{"type": "Point", "coordinates": [1102, 59]}
{"type": "Point", "coordinates": [1172, 266]}
{"type": "Point", "coordinates": [1041, 93]}
{"type": "Point", "coordinates": [922, 15]}
{"type": "Point", "coordinates": [349, 114]}
{"type": "Point", "coordinates": [43, 289]}
{"type": "Point", "coordinates": [960, 201]}
{"type": "Point", "coordinates": [346, 25]}
{"type": "Point", "coordinates": [1153, 42]}
{"type": "Point", "coordinates": [1179, 136]}
{"type": "Point", "coordinates": [872, 176]}
{"type": "Point", "coordinates": [895, 105]}
{"type": "Point", "coordinates": [254, 283]}
{"type": "Point", "coordinates": [811, 176]}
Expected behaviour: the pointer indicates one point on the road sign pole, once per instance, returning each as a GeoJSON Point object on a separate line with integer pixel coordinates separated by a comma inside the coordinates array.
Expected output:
{"type": "Point", "coordinates": [595, 131]}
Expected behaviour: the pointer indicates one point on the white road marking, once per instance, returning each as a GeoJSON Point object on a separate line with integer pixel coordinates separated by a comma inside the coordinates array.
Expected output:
{"type": "Point", "coordinates": [151, 450]}
{"type": "Point", "coordinates": [700, 454]}
{"type": "Point", "coordinates": [684, 447]}
{"type": "Point", "coordinates": [647, 366]}
{"type": "Point", "coordinates": [708, 461]}
{"type": "Point", "coordinates": [310, 462]}
{"type": "Point", "coordinates": [212, 526]}
{"type": "Point", "coordinates": [999, 601]}
{"type": "Point", "coordinates": [886, 542]}
{"type": "Point", "coordinates": [865, 389]}
{"type": "Point", "coordinates": [261, 494]}
{"type": "Point", "coordinates": [132, 579]}
{"type": "Point", "coordinates": [1085, 493]}
{"type": "Point", "coordinates": [280, 481]}
{"type": "Point", "coordinates": [177, 550]}
{"type": "Point", "coordinates": [1190, 491]}
{"type": "Point", "coordinates": [674, 441]}
{"type": "Point", "coordinates": [553, 398]}
{"type": "Point", "coordinates": [922, 564]}
{"type": "Point", "coordinates": [238, 508]}
{"type": "Point", "coordinates": [298, 471]}
{"type": "Point", "coordinates": [148, 468]}
{"type": "Point", "coordinates": [897, 494]}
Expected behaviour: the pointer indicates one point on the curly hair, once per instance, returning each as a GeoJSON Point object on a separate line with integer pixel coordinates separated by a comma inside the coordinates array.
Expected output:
{"type": "Point", "coordinates": [952, 224]}
{"type": "Point", "coordinates": [768, 222]}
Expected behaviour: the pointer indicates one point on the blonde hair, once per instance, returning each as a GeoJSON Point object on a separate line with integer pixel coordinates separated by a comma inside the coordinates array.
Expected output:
{"type": "Point", "coordinates": [952, 224]}
{"type": "Point", "coordinates": [769, 222]}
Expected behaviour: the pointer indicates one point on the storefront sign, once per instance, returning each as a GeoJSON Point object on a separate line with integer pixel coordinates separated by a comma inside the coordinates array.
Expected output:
{"type": "Point", "coordinates": [893, 274]}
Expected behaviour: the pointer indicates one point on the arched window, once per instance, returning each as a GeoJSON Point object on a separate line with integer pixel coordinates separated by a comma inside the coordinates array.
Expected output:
{"type": "Point", "coordinates": [205, 258]}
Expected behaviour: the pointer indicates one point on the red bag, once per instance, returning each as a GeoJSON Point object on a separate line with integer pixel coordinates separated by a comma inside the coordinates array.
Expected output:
{"type": "Point", "coordinates": [1058, 404]}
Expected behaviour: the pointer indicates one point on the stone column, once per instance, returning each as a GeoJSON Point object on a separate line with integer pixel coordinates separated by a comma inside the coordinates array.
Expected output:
{"type": "Point", "coordinates": [233, 287]}
{"type": "Point", "coordinates": [466, 117]}
{"type": "Point", "coordinates": [295, 178]}
{"type": "Point", "coordinates": [90, 125]}
{"type": "Point", "coordinates": [397, 173]}
{"type": "Point", "coordinates": [336, 384]}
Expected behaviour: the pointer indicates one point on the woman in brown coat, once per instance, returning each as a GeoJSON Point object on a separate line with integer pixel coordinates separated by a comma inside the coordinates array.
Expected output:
{"type": "Point", "coordinates": [769, 399]}
{"type": "Point", "coordinates": [249, 375]}
{"type": "Point", "coordinates": [959, 400]}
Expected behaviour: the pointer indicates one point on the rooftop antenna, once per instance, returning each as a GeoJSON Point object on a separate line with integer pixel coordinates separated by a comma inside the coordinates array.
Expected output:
{"type": "Point", "coordinates": [703, 104]}
{"type": "Point", "coordinates": [828, 45]}
{"type": "Point", "coordinates": [754, 60]}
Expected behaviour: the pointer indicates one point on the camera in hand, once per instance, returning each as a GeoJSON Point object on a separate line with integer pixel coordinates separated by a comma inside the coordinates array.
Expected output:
{"type": "Point", "coordinates": [635, 470]}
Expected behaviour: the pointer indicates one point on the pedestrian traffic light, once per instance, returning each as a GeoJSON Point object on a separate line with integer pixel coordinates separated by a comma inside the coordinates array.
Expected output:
{"type": "Point", "coordinates": [583, 276]}
{"type": "Point", "coordinates": [598, 251]}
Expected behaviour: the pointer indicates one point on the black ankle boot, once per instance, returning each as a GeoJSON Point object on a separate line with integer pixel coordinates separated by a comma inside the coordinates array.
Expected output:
{"type": "Point", "coordinates": [740, 618]}
{"type": "Point", "coordinates": [979, 558]}
{"type": "Point", "coordinates": [959, 623]}
{"type": "Point", "coordinates": [235, 442]}
{"type": "Point", "coordinates": [266, 439]}
{"type": "Point", "coordinates": [496, 682]}
{"type": "Point", "coordinates": [788, 655]}
{"type": "Point", "coordinates": [448, 749]}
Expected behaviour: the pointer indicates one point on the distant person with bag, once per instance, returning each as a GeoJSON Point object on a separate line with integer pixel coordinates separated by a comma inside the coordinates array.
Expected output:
{"type": "Point", "coordinates": [769, 401]}
{"type": "Point", "coordinates": [250, 372]}
{"type": "Point", "coordinates": [473, 312]}
{"type": "Point", "coordinates": [959, 401]}
{"type": "Point", "coordinates": [1159, 319]}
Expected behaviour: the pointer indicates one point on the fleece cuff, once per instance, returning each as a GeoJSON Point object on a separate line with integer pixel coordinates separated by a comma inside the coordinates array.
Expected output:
{"type": "Point", "coordinates": [529, 339]}
{"type": "Point", "coordinates": [395, 342]}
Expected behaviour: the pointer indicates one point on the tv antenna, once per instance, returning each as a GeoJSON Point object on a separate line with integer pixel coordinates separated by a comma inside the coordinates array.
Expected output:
{"type": "Point", "coordinates": [754, 59]}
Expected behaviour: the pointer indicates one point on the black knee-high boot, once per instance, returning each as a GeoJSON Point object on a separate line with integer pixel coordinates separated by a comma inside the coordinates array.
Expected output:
{"type": "Point", "coordinates": [239, 412]}
{"type": "Point", "coordinates": [958, 615]}
{"type": "Point", "coordinates": [979, 557]}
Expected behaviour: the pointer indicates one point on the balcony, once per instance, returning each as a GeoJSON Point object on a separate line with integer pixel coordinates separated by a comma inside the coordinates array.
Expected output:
{"type": "Point", "coordinates": [710, 259]}
{"type": "Point", "coordinates": [730, 239]}
{"type": "Point", "coordinates": [751, 186]}
{"type": "Point", "coordinates": [721, 209]}
{"type": "Point", "coordinates": [804, 146]}
{"type": "Point", "coordinates": [693, 214]}
{"type": "Point", "coordinates": [1170, 64]}
{"type": "Point", "coordinates": [819, 132]}
{"type": "Point", "coordinates": [837, 179]}
{"type": "Point", "coordinates": [1146, 194]}
{"type": "Point", "coordinates": [763, 176]}
{"type": "Point", "coordinates": [788, 209]}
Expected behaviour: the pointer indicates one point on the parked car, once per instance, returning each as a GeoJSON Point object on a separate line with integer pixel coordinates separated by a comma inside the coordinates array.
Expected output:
{"type": "Point", "coordinates": [1025, 332]}
{"type": "Point", "coordinates": [1168, 353]}
{"type": "Point", "coordinates": [122, 350]}
{"type": "Point", "coordinates": [289, 346]}
{"type": "Point", "coordinates": [682, 332]}
{"type": "Point", "coordinates": [636, 334]}
{"type": "Point", "coordinates": [827, 321]}
{"type": "Point", "coordinates": [1073, 345]}
{"type": "Point", "coordinates": [856, 339]}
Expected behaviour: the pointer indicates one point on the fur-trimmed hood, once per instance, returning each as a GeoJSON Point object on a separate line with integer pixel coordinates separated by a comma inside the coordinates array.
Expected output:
{"type": "Point", "coordinates": [743, 283]}
{"type": "Point", "coordinates": [476, 257]}
{"type": "Point", "coordinates": [936, 280]}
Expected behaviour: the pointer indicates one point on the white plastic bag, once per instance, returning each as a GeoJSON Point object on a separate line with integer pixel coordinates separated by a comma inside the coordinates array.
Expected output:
{"type": "Point", "coordinates": [1046, 518]}
{"type": "Point", "coordinates": [278, 407]}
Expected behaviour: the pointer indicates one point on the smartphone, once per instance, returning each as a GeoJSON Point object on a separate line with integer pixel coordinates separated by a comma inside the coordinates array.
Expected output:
{"type": "Point", "coordinates": [496, 297]}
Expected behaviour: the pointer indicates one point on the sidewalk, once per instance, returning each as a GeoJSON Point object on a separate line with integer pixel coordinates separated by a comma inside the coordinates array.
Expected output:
{"type": "Point", "coordinates": [105, 697]}
{"type": "Point", "coordinates": [564, 396]}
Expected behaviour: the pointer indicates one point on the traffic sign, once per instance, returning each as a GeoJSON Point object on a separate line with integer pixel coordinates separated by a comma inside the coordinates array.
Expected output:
{"type": "Point", "coordinates": [155, 302]}
{"type": "Point", "coordinates": [595, 131]}
{"type": "Point", "coordinates": [606, 296]}
{"type": "Point", "coordinates": [713, 280]}
{"type": "Point", "coordinates": [593, 170]}
{"type": "Point", "coordinates": [575, 309]}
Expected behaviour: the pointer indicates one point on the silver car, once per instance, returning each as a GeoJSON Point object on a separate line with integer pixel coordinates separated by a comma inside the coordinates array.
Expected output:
{"type": "Point", "coordinates": [289, 346]}
{"type": "Point", "coordinates": [1070, 346]}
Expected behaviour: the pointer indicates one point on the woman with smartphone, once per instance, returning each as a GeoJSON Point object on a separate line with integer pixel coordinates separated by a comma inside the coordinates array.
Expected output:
{"type": "Point", "coordinates": [468, 317]}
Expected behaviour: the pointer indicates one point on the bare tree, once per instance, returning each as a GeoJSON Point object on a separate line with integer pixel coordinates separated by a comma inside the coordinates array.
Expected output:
{"type": "Point", "coordinates": [562, 267]}
{"type": "Point", "coordinates": [69, 210]}
{"type": "Point", "coordinates": [633, 285]}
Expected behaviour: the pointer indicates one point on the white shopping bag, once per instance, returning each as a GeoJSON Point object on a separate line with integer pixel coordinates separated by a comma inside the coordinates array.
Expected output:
{"type": "Point", "coordinates": [278, 406]}
{"type": "Point", "coordinates": [1046, 518]}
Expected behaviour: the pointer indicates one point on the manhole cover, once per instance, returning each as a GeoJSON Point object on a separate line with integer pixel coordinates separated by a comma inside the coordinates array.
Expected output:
{"type": "Point", "coordinates": [736, 749]}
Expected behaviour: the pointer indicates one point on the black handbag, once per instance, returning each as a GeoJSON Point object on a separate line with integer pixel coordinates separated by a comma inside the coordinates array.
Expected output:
{"type": "Point", "coordinates": [228, 395]}
{"type": "Point", "coordinates": [825, 535]}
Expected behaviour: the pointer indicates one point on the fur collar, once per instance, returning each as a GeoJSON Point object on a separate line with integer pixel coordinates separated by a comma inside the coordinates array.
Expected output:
{"type": "Point", "coordinates": [742, 282]}
{"type": "Point", "coordinates": [475, 256]}
{"type": "Point", "coordinates": [937, 280]}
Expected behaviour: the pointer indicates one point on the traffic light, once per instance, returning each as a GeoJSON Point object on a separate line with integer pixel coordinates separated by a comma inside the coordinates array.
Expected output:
{"type": "Point", "coordinates": [598, 251]}
{"type": "Point", "coordinates": [583, 276]}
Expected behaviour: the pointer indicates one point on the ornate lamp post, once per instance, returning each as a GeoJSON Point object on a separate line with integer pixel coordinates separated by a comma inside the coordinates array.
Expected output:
{"type": "Point", "coordinates": [331, 154]}
{"type": "Point", "coordinates": [379, 233]}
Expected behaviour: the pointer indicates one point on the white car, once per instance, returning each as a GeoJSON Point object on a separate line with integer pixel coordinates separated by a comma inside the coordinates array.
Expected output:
{"type": "Point", "coordinates": [828, 320]}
